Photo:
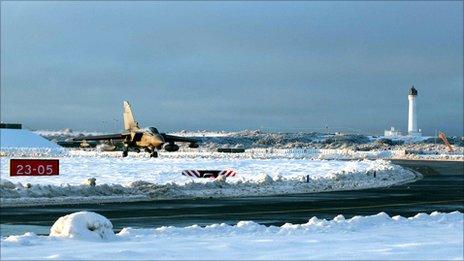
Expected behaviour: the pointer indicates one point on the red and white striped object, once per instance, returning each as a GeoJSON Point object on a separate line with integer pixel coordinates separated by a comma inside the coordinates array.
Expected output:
{"type": "Point", "coordinates": [228, 173]}
{"type": "Point", "coordinates": [209, 173]}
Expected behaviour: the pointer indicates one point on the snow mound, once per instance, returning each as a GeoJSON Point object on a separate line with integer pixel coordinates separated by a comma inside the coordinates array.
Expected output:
{"type": "Point", "coordinates": [83, 225]}
{"type": "Point", "coordinates": [14, 141]}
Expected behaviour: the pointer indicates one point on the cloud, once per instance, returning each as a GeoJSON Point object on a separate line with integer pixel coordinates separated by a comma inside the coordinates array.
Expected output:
{"type": "Point", "coordinates": [283, 65]}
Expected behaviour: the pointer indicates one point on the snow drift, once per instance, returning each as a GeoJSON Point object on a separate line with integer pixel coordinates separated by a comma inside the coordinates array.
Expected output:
{"type": "Point", "coordinates": [20, 141]}
{"type": "Point", "coordinates": [83, 225]}
{"type": "Point", "coordinates": [425, 236]}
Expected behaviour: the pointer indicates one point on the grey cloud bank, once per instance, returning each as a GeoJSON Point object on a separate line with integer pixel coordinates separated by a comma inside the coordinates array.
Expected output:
{"type": "Point", "coordinates": [280, 66]}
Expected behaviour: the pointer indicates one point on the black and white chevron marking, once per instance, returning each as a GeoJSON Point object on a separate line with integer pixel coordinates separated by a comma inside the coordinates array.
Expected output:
{"type": "Point", "coordinates": [191, 173]}
{"type": "Point", "coordinates": [209, 173]}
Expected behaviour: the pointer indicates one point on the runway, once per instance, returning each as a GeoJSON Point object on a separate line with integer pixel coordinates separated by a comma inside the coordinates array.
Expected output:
{"type": "Point", "coordinates": [441, 189]}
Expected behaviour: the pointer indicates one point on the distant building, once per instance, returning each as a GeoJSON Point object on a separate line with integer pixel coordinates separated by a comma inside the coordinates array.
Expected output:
{"type": "Point", "coordinates": [392, 132]}
{"type": "Point", "coordinates": [4, 125]}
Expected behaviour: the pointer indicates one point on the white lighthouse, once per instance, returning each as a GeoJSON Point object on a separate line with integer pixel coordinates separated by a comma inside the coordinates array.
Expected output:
{"type": "Point", "coordinates": [412, 115]}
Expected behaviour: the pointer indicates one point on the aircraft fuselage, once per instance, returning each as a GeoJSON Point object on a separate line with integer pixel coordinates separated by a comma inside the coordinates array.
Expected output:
{"type": "Point", "coordinates": [147, 140]}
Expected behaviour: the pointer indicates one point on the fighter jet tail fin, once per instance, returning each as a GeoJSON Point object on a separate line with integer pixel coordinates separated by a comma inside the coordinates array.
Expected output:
{"type": "Point", "coordinates": [129, 121]}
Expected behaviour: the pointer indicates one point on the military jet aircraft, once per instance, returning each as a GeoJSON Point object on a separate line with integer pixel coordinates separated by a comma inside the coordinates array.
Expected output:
{"type": "Point", "coordinates": [133, 137]}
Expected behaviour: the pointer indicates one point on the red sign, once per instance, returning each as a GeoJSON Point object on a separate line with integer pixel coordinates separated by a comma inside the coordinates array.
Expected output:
{"type": "Point", "coordinates": [34, 167]}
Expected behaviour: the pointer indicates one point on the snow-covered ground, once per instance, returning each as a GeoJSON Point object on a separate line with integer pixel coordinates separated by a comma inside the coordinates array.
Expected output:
{"type": "Point", "coordinates": [67, 133]}
{"type": "Point", "coordinates": [315, 154]}
{"type": "Point", "coordinates": [402, 138]}
{"type": "Point", "coordinates": [139, 177]}
{"type": "Point", "coordinates": [261, 171]}
{"type": "Point", "coordinates": [88, 236]}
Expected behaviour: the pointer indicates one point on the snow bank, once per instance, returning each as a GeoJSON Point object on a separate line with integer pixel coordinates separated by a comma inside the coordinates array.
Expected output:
{"type": "Point", "coordinates": [20, 141]}
{"type": "Point", "coordinates": [295, 153]}
{"type": "Point", "coordinates": [436, 236]}
{"type": "Point", "coordinates": [83, 225]}
{"type": "Point", "coordinates": [145, 179]}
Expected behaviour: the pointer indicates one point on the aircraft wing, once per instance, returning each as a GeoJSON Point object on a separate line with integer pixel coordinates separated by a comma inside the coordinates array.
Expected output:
{"type": "Point", "coordinates": [117, 136]}
{"type": "Point", "coordinates": [172, 138]}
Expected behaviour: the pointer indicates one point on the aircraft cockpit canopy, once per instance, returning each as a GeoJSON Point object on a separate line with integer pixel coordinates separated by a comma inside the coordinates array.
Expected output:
{"type": "Point", "coordinates": [153, 130]}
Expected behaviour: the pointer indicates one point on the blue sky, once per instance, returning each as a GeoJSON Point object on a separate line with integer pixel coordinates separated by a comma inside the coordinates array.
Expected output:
{"type": "Point", "coordinates": [279, 66]}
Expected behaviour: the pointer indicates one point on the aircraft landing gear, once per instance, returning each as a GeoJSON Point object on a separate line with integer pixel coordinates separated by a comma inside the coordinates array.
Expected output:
{"type": "Point", "coordinates": [154, 154]}
{"type": "Point", "coordinates": [125, 151]}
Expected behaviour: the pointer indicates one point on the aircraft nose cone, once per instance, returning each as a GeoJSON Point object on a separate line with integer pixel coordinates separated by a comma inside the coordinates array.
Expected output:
{"type": "Point", "coordinates": [157, 141]}
{"type": "Point", "coordinates": [159, 138]}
